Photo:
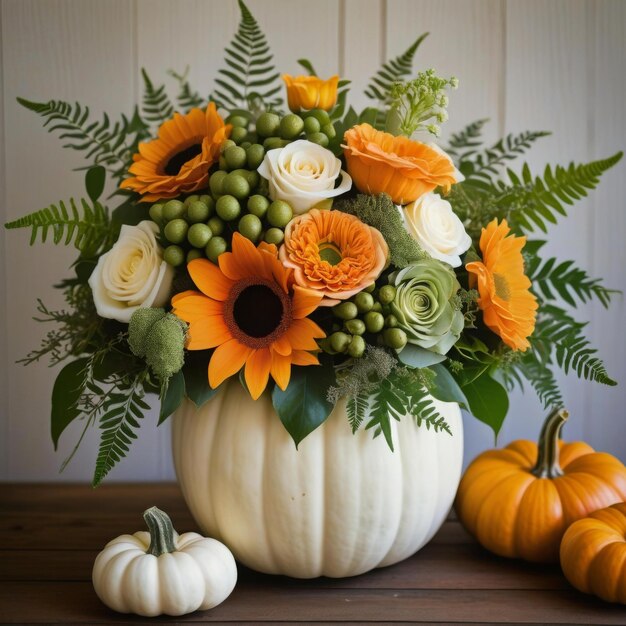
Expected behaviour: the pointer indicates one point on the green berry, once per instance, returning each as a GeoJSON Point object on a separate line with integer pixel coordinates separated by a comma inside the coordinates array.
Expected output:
{"type": "Point", "coordinates": [199, 235]}
{"type": "Point", "coordinates": [237, 121]}
{"type": "Point", "coordinates": [245, 144]}
{"type": "Point", "coordinates": [275, 236]}
{"type": "Point", "coordinates": [320, 115]}
{"type": "Point", "coordinates": [356, 349]}
{"type": "Point", "coordinates": [255, 155]}
{"type": "Point", "coordinates": [228, 143]}
{"type": "Point", "coordinates": [364, 301]}
{"type": "Point", "coordinates": [250, 227]}
{"type": "Point", "coordinates": [387, 294]}
{"type": "Point", "coordinates": [176, 230]}
{"type": "Point", "coordinates": [311, 125]}
{"type": "Point", "coordinates": [291, 126]}
{"type": "Point", "coordinates": [156, 213]}
{"type": "Point", "coordinates": [355, 326]}
{"type": "Point", "coordinates": [194, 254]}
{"type": "Point", "coordinates": [279, 213]}
{"type": "Point", "coordinates": [257, 205]}
{"type": "Point", "coordinates": [174, 256]}
{"type": "Point", "coordinates": [236, 185]}
{"type": "Point", "coordinates": [216, 182]}
{"type": "Point", "coordinates": [374, 322]}
{"type": "Point", "coordinates": [173, 209]}
{"type": "Point", "coordinates": [339, 342]}
{"type": "Point", "coordinates": [271, 143]}
{"type": "Point", "coordinates": [391, 321]}
{"type": "Point", "coordinates": [370, 288]}
{"type": "Point", "coordinates": [318, 138]}
{"type": "Point", "coordinates": [345, 311]}
{"type": "Point", "coordinates": [238, 134]}
{"type": "Point", "coordinates": [214, 248]}
{"type": "Point", "coordinates": [228, 208]}
{"type": "Point", "coordinates": [250, 139]}
{"type": "Point", "coordinates": [222, 164]}
{"type": "Point", "coordinates": [235, 157]}
{"type": "Point", "coordinates": [378, 307]}
{"type": "Point", "coordinates": [395, 338]}
{"type": "Point", "coordinates": [216, 225]}
{"type": "Point", "coordinates": [198, 211]}
{"type": "Point", "coordinates": [329, 131]}
{"type": "Point", "coordinates": [268, 124]}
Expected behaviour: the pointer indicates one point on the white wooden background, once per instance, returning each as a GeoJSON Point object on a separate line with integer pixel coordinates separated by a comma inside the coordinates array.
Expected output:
{"type": "Point", "coordinates": [535, 64]}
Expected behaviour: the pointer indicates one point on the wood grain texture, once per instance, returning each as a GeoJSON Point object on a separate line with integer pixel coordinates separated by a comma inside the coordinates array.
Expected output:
{"type": "Point", "coordinates": [48, 543]}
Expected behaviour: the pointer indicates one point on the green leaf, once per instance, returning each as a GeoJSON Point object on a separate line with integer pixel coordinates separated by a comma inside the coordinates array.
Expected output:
{"type": "Point", "coordinates": [174, 396]}
{"type": "Point", "coordinates": [94, 182]}
{"type": "Point", "coordinates": [308, 66]}
{"type": "Point", "coordinates": [196, 376]}
{"type": "Point", "coordinates": [303, 406]}
{"type": "Point", "coordinates": [130, 213]}
{"type": "Point", "coordinates": [415, 356]}
{"type": "Point", "coordinates": [446, 388]}
{"type": "Point", "coordinates": [488, 399]}
{"type": "Point", "coordinates": [68, 388]}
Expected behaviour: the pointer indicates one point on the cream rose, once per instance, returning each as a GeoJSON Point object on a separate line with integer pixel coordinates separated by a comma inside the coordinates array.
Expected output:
{"type": "Point", "coordinates": [435, 226]}
{"type": "Point", "coordinates": [303, 174]}
{"type": "Point", "coordinates": [132, 274]}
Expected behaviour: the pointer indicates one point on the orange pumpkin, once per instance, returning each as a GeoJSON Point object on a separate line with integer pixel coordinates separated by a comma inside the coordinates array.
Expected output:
{"type": "Point", "coordinates": [518, 501]}
{"type": "Point", "coordinates": [593, 553]}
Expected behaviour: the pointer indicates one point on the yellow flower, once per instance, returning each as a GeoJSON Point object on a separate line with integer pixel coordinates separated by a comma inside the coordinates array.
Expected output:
{"type": "Point", "coordinates": [311, 92]}
{"type": "Point", "coordinates": [333, 254]}
{"type": "Point", "coordinates": [179, 160]}
{"type": "Point", "coordinates": [249, 310]}
{"type": "Point", "coordinates": [382, 163]}
{"type": "Point", "coordinates": [509, 308]}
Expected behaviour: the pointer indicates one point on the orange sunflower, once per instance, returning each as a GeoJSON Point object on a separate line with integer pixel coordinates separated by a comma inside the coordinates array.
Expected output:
{"type": "Point", "coordinates": [509, 308]}
{"type": "Point", "coordinates": [250, 311]}
{"type": "Point", "coordinates": [179, 160]}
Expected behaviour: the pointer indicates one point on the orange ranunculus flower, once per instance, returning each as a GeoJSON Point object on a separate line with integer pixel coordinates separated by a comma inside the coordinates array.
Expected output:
{"type": "Point", "coordinates": [250, 311]}
{"type": "Point", "coordinates": [509, 308]}
{"type": "Point", "coordinates": [404, 169]}
{"type": "Point", "coordinates": [311, 92]}
{"type": "Point", "coordinates": [178, 161]}
{"type": "Point", "coordinates": [333, 254]}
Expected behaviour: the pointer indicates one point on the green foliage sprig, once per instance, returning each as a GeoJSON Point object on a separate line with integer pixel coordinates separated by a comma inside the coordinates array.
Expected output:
{"type": "Point", "coordinates": [187, 97]}
{"type": "Point", "coordinates": [157, 107]}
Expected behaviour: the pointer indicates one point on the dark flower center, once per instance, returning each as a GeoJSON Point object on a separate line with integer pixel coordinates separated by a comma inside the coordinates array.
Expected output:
{"type": "Point", "coordinates": [257, 312]}
{"type": "Point", "coordinates": [180, 158]}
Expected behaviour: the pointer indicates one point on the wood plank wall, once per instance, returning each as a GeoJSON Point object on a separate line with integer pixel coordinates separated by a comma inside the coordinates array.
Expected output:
{"type": "Point", "coordinates": [533, 64]}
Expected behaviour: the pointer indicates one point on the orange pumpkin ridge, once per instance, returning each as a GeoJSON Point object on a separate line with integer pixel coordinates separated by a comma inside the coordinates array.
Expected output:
{"type": "Point", "coordinates": [518, 501]}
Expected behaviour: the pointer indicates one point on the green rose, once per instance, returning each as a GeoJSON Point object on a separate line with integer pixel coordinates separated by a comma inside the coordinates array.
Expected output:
{"type": "Point", "coordinates": [425, 305]}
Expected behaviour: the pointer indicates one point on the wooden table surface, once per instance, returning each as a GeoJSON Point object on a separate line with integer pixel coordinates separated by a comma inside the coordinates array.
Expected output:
{"type": "Point", "coordinates": [51, 534]}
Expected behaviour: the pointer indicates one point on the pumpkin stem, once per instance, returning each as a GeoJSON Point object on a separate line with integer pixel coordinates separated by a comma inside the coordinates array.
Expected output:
{"type": "Point", "coordinates": [161, 532]}
{"type": "Point", "coordinates": [547, 465]}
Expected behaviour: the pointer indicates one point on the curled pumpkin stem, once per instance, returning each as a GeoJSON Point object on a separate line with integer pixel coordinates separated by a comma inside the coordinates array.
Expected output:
{"type": "Point", "coordinates": [162, 532]}
{"type": "Point", "coordinates": [547, 465]}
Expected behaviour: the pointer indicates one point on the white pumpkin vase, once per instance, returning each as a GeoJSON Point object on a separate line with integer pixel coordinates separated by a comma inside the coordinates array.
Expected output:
{"type": "Point", "coordinates": [339, 505]}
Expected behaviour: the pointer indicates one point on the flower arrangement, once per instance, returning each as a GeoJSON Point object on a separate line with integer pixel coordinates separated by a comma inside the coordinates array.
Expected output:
{"type": "Point", "coordinates": [316, 254]}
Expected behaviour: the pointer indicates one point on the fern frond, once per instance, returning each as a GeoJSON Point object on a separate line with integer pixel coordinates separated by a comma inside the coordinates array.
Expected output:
{"type": "Point", "coordinates": [483, 167]}
{"type": "Point", "coordinates": [187, 98]}
{"type": "Point", "coordinates": [249, 80]}
{"type": "Point", "coordinates": [386, 404]}
{"type": "Point", "coordinates": [88, 230]}
{"type": "Point", "coordinates": [557, 330]}
{"type": "Point", "coordinates": [103, 143]}
{"type": "Point", "coordinates": [530, 201]}
{"type": "Point", "coordinates": [464, 144]}
{"type": "Point", "coordinates": [542, 380]}
{"type": "Point", "coordinates": [563, 279]}
{"type": "Point", "coordinates": [118, 423]}
{"type": "Point", "coordinates": [356, 409]}
{"type": "Point", "coordinates": [157, 107]}
{"type": "Point", "coordinates": [392, 71]}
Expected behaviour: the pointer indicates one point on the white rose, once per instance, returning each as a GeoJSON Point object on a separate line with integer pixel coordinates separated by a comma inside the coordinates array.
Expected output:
{"type": "Point", "coordinates": [435, 226]}
{"type": "Point", "coordinates": [303, 174]}
{"type": "Point", "coordinates": [132, 274]}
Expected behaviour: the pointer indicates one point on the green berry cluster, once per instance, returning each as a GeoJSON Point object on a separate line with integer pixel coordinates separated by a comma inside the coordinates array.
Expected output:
{"type": "Point", "coordinates": [365, 313]}
{"type": "Point", "coordinates": [277, 132]}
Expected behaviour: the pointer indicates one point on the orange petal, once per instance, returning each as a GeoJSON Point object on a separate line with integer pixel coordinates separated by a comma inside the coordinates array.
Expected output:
{"type": "Point", "coordinates": [300, 357]}
{"type": "Point", "coordinates": [282, 346]}
{"type": "Point", "coordinates": [281, 369]}
{"type": "Point", "coordinates": [209, 279]}
{"type": "Point", "coordinates": [227, 360]}
{"type": "Point", "coordinates": [257, 371]}
{"type": "Point", "coordinates": [302, 333]}
{"type": "Point", "coordinates": [208, 333]}
{"type": "Point", "coordinates": [244, 261]}
{"type": "Point", "coordinates": [192, 306]}
{"type": "Point", "coordinates": [305, 301]}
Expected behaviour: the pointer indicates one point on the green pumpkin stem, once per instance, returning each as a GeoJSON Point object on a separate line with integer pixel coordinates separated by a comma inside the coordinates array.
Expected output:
{"type": "Point", "coordinates": [161, 532]}
{"type": "Point", "coordinates": [547, 465]}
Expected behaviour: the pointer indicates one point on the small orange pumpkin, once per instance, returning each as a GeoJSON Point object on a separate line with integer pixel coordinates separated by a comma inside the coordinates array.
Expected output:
{"type": "Point", "coordinates": [518, 501]}
{"type": "Point", "coordinates": [593, 553]}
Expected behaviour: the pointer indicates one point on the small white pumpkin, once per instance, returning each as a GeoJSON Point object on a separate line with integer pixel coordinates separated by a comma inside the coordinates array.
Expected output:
{"type": "Point", "coordinates": [159, 572]}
